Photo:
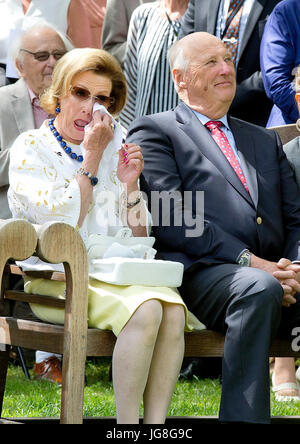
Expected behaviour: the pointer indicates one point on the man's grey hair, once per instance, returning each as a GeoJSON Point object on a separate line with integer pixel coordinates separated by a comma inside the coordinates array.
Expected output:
{"type": "Point", "coordinates": [17, 44]}
{"type": "Point", "coordinates": [177, 58]}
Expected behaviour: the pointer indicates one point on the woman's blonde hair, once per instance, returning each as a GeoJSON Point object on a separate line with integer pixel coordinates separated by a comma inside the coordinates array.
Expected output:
{"type": "Point", "coordinates": [82, 60]}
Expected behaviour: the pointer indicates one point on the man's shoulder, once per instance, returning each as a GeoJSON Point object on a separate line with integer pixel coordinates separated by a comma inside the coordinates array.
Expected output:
{"type": "Point", "coordinates": [293, 147]}
{"type": "Point", "coordinates": [155, 119]}
{"type": "Point", "coordinates": [15, 87]}
{"type": "Point", "coordinates": [256, 129]}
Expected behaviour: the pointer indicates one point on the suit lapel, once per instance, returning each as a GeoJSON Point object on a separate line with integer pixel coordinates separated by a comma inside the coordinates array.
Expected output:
{"type": "Point", "coordinates": [193, 128]}
{"type": "Point", "coordinates": [256, 11]}
{"type": "Point", "coordinates": [246, 153]}
{"type": "Point", "coordinates": [22, 108]}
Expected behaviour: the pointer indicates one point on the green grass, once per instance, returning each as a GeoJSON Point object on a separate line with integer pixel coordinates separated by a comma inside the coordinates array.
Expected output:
{"type": "Point", "coordinates": [42, 399]}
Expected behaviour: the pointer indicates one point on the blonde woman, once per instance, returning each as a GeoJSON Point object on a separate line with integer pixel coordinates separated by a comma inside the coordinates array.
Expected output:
{"type": "Point", "coordinates": [54, 177]}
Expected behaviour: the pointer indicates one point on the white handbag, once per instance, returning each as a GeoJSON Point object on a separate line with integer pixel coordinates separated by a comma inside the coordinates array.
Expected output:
{"type": "Point", "coordinates": [127, 260]}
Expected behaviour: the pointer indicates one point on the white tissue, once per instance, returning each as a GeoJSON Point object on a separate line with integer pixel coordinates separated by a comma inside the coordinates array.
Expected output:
{"type": "Point", "coordinates": [115, 144]}
{"type": "Point", "coordinates": [135, 251]}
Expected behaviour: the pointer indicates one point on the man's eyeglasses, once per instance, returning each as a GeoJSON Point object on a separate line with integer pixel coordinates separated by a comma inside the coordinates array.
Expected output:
{"type": "Point", "coordinates": [42, 56]}
{"type": "Point", "coordinates": [83, 94]}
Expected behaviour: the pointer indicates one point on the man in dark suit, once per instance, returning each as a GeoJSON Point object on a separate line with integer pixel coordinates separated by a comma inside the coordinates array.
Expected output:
{"type": "Point", "coordinates": [250, 103]}
{"type": "Point", "coordinates": [240, 276]}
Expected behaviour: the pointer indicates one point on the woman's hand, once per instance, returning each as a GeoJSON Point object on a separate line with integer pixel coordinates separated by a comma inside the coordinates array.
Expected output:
{"type": "Point", "coordinates": [99, 133]}
{"type": "Point", "coordinates": [131, 164]}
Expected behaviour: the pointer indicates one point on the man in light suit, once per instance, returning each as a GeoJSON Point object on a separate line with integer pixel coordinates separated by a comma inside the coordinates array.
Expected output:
{"type": "Point", "coordinates": [116, 24]}
{"type": "Point", "coordinates": [251, 102]}
{"type": "Point", "coordinates": [19, 103]}
{"type": "Point", "coordinates": [240, 276]}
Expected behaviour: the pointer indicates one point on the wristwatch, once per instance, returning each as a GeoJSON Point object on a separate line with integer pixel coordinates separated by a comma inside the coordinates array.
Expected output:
{"type": "Point", "coordinates": [244, 258]}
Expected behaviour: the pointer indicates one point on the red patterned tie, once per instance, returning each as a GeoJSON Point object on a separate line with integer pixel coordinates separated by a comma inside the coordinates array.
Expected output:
{"type": "Point", "coordinates": [233, 27]}
{"type": "Point", "coordinates": [222, 141]}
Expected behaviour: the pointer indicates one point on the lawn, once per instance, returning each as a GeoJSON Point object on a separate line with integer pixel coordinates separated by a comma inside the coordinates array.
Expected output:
{"type": "Point", "coordinates": [42, 399]}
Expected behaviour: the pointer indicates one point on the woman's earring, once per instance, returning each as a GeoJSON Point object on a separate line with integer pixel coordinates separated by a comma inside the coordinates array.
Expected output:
{"type": "Point", "coordinates": [298, 125]}
{"type": "Point", "coordinates": [57, 109]}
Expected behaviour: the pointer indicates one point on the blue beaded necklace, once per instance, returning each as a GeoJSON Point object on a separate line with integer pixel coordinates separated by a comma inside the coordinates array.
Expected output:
{"type": "Point", "coordinates": [62, 143]}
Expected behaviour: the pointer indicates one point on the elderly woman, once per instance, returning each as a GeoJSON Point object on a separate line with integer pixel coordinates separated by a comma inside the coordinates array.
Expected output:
{"type": "Point", "coordinates": [60, 172]}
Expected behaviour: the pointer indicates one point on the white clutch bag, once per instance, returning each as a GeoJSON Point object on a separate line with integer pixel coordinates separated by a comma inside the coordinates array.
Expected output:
{"type": "Point", "coordinates": [127, 260]}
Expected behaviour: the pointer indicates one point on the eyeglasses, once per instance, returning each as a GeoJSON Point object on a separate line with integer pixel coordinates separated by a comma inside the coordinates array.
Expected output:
{"type": "Point", "coordinates": [83, 95]}
{"type": "Point", "coordinates": [42, 56]}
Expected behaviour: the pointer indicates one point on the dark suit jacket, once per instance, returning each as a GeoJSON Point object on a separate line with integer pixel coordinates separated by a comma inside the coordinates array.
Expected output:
{"type": "Point", "coordinates": [251, 103]}
{"type": "Point", "coordinates": [180, 155]}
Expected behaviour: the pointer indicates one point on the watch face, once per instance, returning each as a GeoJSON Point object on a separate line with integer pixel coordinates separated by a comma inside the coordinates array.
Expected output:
{"type": "Point", "coordinates": [245, 259]}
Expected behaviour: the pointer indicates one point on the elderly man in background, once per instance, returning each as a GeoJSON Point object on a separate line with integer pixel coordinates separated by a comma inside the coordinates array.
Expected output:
{"type": "Point", "coordinates": [35, 53]}
{"type": "Point", "coordinates": [116, 24]}
{"type": "Point", "coordinates": [240, 278]}
{"type": "Point", "coordinates": [71, 17]}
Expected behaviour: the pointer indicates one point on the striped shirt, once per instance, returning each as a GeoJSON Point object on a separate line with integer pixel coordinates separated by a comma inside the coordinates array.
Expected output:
{"type": "Point", "coordinates": [147, 71]}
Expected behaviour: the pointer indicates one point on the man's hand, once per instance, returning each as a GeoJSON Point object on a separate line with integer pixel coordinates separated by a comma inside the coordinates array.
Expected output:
{"type": "Point", "coordinates": [287, 273]}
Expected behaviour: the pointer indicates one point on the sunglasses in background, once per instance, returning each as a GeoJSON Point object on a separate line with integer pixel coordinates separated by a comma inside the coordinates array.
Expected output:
{"type": "Point", "coordinates": [42, 56]}
{"type": "Point", "coordinates": [83, 95]}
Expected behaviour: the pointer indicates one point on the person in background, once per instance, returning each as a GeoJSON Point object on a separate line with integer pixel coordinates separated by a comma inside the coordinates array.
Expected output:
{"type": "Point", "coordinates": [154, 28]}
{"type": "Point", "coordinates": [240, 24]}
{"type": "Point", "coordinates": [70, 17]}
{"type": "Point", "coordinates": [116, 24]}
{"type": "Point", "coordinates": [280, 54]}
{"type": "Point", "coordinates": [95, 10]}
{"type": "Point", "coordinates": [284, 379]}
{"type": "Point", "coordinates": [240, 248]}
{"type": "Point", "coordinates": [35, 53]}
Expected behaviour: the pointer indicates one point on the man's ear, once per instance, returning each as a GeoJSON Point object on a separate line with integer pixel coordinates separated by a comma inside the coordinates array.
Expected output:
{"type": "Point", "coordinates": [20, 67]}
{"type": "Point", "coordinates": [179, 78]}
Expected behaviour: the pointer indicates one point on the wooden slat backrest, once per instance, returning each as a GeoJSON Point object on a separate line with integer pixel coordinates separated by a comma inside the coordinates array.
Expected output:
{"type": "Point", "coordinates": [286, 132]}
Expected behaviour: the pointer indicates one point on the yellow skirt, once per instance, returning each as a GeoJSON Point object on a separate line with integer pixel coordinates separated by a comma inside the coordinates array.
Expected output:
{"type": "Point", "coordinates": [110, 306]}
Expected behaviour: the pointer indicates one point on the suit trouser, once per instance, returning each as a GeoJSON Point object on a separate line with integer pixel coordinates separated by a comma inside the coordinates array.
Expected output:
{"type": "Point", "coordinates": [246, 304]}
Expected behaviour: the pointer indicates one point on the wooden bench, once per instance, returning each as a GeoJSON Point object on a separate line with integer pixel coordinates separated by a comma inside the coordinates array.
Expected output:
{"type": "Point", "coordinates": [286, 132]}
{"type": "Point", "coordinates": [60, 243]}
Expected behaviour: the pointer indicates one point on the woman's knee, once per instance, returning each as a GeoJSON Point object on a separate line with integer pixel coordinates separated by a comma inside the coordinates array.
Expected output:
{"type": "Point", "coordinates": [173, 320]}
{"type": "Point", "coordinates": [147, 319]}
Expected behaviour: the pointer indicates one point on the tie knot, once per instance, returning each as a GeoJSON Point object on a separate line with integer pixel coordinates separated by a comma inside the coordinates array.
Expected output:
{"type": "Point", "coordinates": [213, 124]}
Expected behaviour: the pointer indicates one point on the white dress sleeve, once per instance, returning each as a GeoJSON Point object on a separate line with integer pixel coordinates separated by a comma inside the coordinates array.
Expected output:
{"type": "Point", "coordinates": [42, 188]}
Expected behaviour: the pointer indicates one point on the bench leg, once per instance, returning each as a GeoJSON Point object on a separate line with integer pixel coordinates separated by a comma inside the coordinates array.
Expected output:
{"type": "Point", "coordinates": [4, 355]}
{"type": "Point", "coordinates": [72, 390]}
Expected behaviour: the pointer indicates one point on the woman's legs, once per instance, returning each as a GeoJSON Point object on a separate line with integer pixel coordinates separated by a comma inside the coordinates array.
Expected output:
{"type": "Point", "coordinates": [165, 366]}
{"type": "Point", "coordinates": [132, 359]}
{"type": "Point", "coordinates": [147, 360]}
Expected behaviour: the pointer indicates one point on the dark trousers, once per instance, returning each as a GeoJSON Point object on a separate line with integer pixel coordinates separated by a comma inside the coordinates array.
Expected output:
{"type": "Point", "coordinates": [246, 305]}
